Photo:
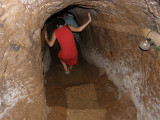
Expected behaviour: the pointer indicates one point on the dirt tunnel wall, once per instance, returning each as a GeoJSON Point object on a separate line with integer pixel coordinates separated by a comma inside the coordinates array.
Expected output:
{"type": "Point", "coordinates": [111, 42]}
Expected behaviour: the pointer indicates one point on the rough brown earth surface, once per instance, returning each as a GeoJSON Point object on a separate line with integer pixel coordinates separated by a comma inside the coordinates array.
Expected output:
{"type": "Point", "coordinates": [110, 42]}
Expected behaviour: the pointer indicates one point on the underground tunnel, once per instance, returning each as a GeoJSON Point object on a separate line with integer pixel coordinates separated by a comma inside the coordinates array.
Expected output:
{"type": "Point", "coordinates": [122, 75]}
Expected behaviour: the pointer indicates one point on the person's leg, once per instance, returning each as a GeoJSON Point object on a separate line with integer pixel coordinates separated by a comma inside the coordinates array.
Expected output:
{"type": "Point", "coordinates": [65, 67]}
{"type": "Point", "coordinates": [70, 67]}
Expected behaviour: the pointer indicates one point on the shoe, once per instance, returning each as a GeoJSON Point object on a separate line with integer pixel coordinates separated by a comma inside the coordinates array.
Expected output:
{"type": "Point", "coordinates": [67, 72]}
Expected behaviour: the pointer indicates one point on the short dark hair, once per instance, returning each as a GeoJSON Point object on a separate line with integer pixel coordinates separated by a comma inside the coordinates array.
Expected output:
{"type": "Point", "coordinates": [60, 21]}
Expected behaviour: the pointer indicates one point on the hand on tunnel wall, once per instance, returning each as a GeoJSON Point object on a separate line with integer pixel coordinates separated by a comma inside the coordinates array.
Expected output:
{"type": "Point", "coordinates": [79, 29]}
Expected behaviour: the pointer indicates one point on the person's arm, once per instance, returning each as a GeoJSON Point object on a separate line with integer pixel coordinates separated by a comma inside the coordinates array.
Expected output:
{"type": "Point", "coordinates": [79, 29]}
{"type": "Point", "coordinates": [53, 39]}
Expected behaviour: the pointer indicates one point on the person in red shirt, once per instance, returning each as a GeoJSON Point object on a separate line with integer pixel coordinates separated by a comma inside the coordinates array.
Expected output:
{"type": "Point", "coordinates": [68, 54]}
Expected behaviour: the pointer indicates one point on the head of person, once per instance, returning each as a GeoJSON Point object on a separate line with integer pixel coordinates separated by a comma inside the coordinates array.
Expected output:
{"type": "Point", "coordinates": [66, 13]}
{"type": "Point", "coordinates": [60, 22]}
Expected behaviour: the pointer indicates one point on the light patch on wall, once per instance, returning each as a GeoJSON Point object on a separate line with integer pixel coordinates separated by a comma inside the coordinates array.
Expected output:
{"type": "Point", "coordinates": [123, 77]}
{"type": "Point", "coordinates": [30, 1]}
{"type": "Point", "coordinates": [10, 96]}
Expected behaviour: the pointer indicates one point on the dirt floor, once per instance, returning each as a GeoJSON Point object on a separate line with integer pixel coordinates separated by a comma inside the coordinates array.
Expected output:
{"type": "Point", "coordinates": [85, 91]}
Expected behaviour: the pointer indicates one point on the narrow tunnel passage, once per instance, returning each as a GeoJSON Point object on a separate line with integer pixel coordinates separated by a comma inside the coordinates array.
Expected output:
{"type": "Point", "coordinates": [110, 42]}
{"type": "Point", "coordinates": [85, 90]}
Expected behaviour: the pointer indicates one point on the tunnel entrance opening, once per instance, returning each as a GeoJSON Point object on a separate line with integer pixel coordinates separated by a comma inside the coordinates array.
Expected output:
{"type": "Point", "coordinates": [85, 89]}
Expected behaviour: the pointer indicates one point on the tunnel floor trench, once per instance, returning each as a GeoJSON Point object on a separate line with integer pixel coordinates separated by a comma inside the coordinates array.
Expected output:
{"type": "Point", "coordinates": [84, 94]}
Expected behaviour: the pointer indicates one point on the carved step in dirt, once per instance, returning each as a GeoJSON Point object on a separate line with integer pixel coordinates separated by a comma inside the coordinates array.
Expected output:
{"type": "Point", "coordinates": [82, 97]}
{"type": "Point", "coordinates": [57, 113]}
{"type": "Point", "coordinates": [86, 114]}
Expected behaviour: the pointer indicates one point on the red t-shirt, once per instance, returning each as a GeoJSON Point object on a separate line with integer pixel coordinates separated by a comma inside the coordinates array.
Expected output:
{"type": "Point", "coordinates": [68, 52]}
